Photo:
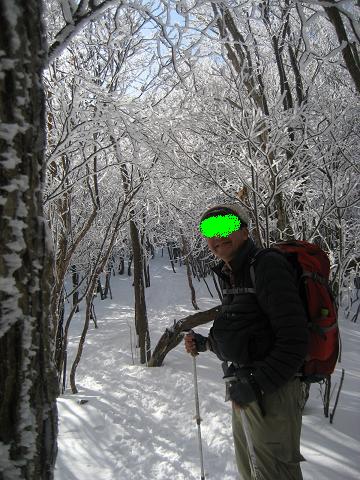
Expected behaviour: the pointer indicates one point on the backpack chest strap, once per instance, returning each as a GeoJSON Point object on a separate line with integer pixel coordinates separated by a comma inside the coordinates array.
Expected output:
{"type": "Point", "coordinates": [238, 291]}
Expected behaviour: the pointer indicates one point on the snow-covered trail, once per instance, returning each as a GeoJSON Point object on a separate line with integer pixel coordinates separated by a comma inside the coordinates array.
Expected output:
{"type": "Point", "coordinates": [130, 422]}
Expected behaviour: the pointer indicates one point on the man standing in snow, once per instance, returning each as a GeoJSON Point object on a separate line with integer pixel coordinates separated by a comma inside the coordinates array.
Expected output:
{"type": "Point", "coordinates": [262, 331]}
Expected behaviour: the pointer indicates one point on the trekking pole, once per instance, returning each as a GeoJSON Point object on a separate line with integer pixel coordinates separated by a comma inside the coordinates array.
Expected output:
{"type": "Point", "coordinates": [197, 417]}
{"type": "Point", "coordinates": [197, 409]}
{"type": "Point", "coordinates": [337, 396]}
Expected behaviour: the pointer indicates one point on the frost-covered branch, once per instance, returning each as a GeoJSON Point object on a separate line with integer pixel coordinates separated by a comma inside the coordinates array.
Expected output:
{"type": "Point", "coordinates": [85, 12]}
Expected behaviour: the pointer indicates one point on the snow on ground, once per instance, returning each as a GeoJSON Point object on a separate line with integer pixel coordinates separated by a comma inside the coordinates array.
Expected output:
{"type": "Point", "coordinates": [138, 422]}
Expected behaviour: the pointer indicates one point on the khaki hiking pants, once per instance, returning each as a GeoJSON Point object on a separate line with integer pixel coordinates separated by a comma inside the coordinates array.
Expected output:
{"type": "Point", "coordinates": [275, 437]}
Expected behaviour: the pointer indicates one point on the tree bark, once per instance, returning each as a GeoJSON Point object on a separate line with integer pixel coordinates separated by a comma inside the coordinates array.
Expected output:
{"type": "Point", "coordinates": [28, 385]}
{"type": "Point", "coordinates": [141, 321]}
{"type": "Point", "coordinates": [75, 282]}
{"type": "Point", "coordinates": [349, 50]}
{"type": "Point", "coordinates": [188, 271]}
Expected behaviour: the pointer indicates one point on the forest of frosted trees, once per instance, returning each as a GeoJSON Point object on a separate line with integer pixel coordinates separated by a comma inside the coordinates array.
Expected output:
{"type": "Point", "coordinates": [121, 122]}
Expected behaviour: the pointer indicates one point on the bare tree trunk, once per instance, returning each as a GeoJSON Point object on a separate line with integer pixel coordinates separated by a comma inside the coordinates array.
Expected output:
{"type": "Point", "coordinates": [218, 289]}
{"type": "Point", "coordinates": [147, 273]}
{"type": "Point", "coordinates": [171, 256]}
{"type": "Point", "coordinates": [188, 271]}
{"type": "Point", "coordinates": [349, 48]}
{"type": "Point", "coordinates": [28, 385]}
{"type": "Point", "coordinates": [75, 282]}
{"type": "Point", "coordinates": [107, 288]}
{"type": "Point", "coordinates": [99, 288]}
{"type": "Point", "coordinates": [121, 266]}
{"type": "Point", "coordinates": [89, 299]}
{"type": "Point", "coordinates": [130, 261]}
{"type": "Point", "coordinates": [141, 321]}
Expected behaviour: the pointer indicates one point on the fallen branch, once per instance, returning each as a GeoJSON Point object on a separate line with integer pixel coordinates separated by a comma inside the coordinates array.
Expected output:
{"type": "Point", "coordinates": [173, 335]}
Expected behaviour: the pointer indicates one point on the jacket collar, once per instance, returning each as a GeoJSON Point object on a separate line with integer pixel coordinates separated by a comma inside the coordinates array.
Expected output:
{"type": "Point", "coordinates": [242, 255]}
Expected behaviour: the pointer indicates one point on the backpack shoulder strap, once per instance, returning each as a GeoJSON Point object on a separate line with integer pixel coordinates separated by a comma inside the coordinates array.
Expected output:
{"type": "Point", "coordinates": [255, 258]}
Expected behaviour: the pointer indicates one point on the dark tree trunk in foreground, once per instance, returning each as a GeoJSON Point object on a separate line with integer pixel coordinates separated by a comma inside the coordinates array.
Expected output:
{"type": "Point", "coordinates": [350, 48]}
{"type": "Point", "coordinates": [28, 386]}
{"type": "Point", "coordinates": [141, 320]}
{"type": "Point", "coordinates": [173, 336]}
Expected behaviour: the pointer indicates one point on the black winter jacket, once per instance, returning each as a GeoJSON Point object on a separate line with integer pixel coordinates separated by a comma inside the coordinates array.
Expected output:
{"type": "Point", "coordinates": [266, 330]}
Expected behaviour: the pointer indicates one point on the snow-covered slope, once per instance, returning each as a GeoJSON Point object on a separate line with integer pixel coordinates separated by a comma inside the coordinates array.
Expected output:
{"type": "Point", "coordinates": [138, 422]}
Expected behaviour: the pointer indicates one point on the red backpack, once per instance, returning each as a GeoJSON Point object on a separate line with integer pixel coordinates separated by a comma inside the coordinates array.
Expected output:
{"type": "Point", "coordinates": [313, 268]}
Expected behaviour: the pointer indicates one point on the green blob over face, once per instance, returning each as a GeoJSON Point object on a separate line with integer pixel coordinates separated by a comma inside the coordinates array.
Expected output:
{"type": "Point", "coordinates": [219, 226]}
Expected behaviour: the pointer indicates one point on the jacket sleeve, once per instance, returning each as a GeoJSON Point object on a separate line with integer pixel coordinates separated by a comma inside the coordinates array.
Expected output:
{"type": "Point", "coordinates": [279, 298]}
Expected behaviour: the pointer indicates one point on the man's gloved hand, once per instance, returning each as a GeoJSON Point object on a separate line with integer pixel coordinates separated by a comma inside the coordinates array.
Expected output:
{"type": "Point", "coordinates": [243, 388]}
{"type": "Point", "coordinates": [195, 343]}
